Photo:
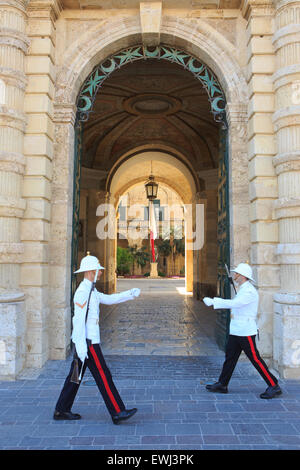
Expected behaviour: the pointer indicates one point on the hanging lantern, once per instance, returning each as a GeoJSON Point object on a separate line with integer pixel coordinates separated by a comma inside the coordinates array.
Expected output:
{"type": "Point", "coordinates": [151, 188]}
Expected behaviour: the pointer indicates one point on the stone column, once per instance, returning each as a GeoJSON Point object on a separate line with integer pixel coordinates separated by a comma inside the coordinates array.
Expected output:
{"type": "Point", "coordinates": [61, 231]}
{"type": "Point", "coordinates": [97, 243]}
{"type": "Point", "coordinates": [209, 253]}
{"type": "Point", "coordinates": [110, 247]}
{"type": "Point", "coordinates": [38, 149]}
{"type": "Point", "coordinates": [102, 235]}
{"type": "Point", "coordinates": [199, 257]}
{"type": "Point", "coordinates": [13, 47]}
{"type": "Point", "coordinates": [194, 241]}
{"type": "Point", "coordinates": [238, 183]}
{"type": "Point", "coordinates": [286, 120]}
{"type": "Point", "coordinates": [261, 173]}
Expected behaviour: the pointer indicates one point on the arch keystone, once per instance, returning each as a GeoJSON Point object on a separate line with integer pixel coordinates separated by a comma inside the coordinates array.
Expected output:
{"type": "Point", "coordinates": [150, 16]}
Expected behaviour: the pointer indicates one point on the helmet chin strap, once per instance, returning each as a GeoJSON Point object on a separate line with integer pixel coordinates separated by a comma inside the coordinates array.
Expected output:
{"type": "Point", "coordinates": [96, 275]}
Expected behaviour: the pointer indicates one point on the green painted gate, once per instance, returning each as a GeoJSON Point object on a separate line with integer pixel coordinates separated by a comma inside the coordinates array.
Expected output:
{"type": "Point", "coordinates": [223, 285]}
{"type": "Point", "coordinates": [76, 206]}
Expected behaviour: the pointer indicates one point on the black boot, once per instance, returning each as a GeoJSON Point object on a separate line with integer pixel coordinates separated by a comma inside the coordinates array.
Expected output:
{"type": "Point", "coordinates": [217, 388]}
{"type": "Point", "coordinates": [65, 415]}
{"type": "Point", "coordinates": [271, 392]}
{"type": "Point", "coordinates": [123, 415]}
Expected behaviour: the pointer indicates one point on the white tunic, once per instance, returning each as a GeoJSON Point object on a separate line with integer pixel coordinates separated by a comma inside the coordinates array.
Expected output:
{"type": "Point", "coordinates": [91, 329]}
{"type": "Point", "coordinates": [243, 310]}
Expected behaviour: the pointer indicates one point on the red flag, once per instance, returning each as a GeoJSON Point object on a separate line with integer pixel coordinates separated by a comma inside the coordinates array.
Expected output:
{"type": "Point", "coordinates": [153, 230]}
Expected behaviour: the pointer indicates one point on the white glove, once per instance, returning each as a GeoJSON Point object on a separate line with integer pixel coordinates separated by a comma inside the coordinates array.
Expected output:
{"type": "Point", "coordinates": [135, 291]}
{"type": "Point", "coordinates": [208, 301]}
{"type": "Point", "coordinates": [81, 353]}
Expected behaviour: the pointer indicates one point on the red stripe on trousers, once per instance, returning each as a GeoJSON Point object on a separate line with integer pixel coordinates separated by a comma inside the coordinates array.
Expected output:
{"type": "Point", "coordinates": [101, 371]}
{"type": "Point", "coordinates": [258, 362]}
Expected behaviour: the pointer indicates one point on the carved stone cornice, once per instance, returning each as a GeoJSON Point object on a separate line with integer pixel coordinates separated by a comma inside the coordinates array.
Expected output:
{"type": "Point", "coordinates": [14, 38]}
{"type": "Point", "coordinates": [257, 8]}
{"type": "Point", "coordinates": [64, 113]}
{"type": "Point", "coordinates": [45, 9]}
{"type": "Point", "coordinates": [236, 113]}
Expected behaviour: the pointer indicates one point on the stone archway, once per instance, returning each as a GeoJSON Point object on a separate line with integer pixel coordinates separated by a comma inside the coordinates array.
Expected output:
{"type": "Point", "coordinates": [138, 104]}
{"type": "Point", "coordinates": [203, 41]}
{"type": "Point", "coordinates": [169, 171]}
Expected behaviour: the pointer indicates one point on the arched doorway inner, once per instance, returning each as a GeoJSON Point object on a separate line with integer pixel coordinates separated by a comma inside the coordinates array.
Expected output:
{"type": "Point", "coordinates": [177, 187]}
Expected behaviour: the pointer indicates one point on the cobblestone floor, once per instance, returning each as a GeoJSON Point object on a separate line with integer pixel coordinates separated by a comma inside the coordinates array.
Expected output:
{"type": "Point", "coordinates": [174, 409]}
{"type": "Point", "coordinates": [162, 321]}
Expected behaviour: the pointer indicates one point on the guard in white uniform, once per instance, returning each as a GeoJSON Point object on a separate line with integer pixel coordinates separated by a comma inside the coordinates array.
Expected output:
{"type": "Point", "coordinates": [86, 337]}
{"type": "Point", "coordinates": [242, 333]}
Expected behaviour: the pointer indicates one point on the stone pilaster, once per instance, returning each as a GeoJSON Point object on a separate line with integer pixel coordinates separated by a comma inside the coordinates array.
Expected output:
{"type": "Point", "coordinates": [193, 254]}
{"type": "Point", "coordinates": [96, 243]}
{"type": "Point", "coordinates": [206, 277]}
{"type": "Point", "coordinates": [286, 118]}
{"type": "Point", "coordinates": [261, 150]}
{"type": "Point", "coordinates": [38, 149]}
{"type": "Point", "coordinates": [110, 246]}
{"type": "Point", "coordinates": [61, 231]}
{"type": "Point", "coordinates": [13, 47]}
{"type": "Point", "coordinates": [238, 182]}
{"type": "Point", "coordinates": [103, 198]}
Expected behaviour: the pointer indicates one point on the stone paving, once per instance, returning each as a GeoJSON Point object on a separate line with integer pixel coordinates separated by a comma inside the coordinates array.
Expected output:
{"type": "Point", "coordinates": [162, 321]}
{"type": "Point", "coordinates": [174, 409]}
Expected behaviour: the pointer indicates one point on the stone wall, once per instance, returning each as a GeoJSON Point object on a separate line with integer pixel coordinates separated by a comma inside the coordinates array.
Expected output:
{"type": "Point", "coordinates": [253, 50]}
{"type": "Point", "coordinates": [13, 48]}
{"type": "Point", "coordinates": [180, 28]}
{"type": "Point", "coordinates": [261, 173]}
{"type": "Point", "coordinates": [286, 119]}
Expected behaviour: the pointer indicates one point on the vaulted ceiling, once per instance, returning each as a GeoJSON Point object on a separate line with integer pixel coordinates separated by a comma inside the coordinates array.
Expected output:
{"type": "Point", "coordinates": [151, 103]}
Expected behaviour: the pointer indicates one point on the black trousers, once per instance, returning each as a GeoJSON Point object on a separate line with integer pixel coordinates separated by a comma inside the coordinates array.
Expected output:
{"type": "Point", "coordinates": [101, 373]}
{"type": "Point", "coordinates": [237, 344]}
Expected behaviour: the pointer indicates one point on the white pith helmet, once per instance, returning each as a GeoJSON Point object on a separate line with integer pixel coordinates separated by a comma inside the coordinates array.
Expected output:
{"type": "Point", "coordinates": [245, 270]}
{"type": "Point", "coordinates": [89, 263]}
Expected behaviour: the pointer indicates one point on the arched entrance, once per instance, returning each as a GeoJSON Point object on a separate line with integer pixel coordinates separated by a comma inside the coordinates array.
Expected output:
{"type": "Point", "coordinates": [171, 108]}
{"type": "Point", "coordinates": [90, 49]}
